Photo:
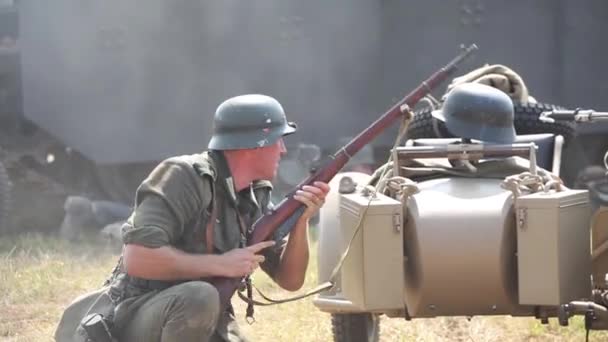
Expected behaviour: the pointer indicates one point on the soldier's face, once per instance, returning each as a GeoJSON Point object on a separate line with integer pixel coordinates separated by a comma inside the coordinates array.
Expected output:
{"type": "Point", "coordinates": [267, 160]}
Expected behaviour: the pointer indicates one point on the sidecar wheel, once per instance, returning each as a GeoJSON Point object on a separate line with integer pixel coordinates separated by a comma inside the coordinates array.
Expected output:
{"type": "Point", "coordinates": [360, 327]}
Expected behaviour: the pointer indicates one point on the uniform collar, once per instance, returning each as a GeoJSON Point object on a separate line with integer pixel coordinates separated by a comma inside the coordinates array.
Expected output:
{"type": "Point", "coordinates": [227, 182]}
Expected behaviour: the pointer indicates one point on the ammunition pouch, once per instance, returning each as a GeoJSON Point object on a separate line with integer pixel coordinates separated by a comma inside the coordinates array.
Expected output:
{"type": "Point", "coordinates": [97, 328]}
{"type": "Point", "coordinates": [99, 316]}
{"type": "Point", "coordinates": [96, 307]}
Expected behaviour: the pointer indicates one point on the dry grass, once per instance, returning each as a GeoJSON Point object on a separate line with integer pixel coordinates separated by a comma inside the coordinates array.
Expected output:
{"type": "Point", "coordinates": [39, 276]}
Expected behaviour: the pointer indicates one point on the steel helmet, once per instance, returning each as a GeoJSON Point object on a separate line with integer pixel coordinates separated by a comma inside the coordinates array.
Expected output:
{"type": "Point", "coordinates": [249, 121]}
{"type": "Point", "coordinates": [478, 111]}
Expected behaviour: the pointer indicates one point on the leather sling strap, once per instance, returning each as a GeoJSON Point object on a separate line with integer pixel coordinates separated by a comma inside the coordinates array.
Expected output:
{"type": "Point", "coordinates": [209, 229]}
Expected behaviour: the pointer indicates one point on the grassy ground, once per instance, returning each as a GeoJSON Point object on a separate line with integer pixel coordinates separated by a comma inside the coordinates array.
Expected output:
{"type": "Point", "coordinates": [39, 276]}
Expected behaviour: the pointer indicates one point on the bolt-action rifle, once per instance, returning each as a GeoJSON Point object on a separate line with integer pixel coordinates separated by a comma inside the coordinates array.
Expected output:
{"type": "Point", "coordinates": [280, 220]}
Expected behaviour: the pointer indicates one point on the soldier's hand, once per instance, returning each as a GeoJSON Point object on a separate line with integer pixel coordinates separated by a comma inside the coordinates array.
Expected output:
{"type": "Point", "coordinates": [313, 197]}
{"type": "Point", "coordinates": [241, 262]}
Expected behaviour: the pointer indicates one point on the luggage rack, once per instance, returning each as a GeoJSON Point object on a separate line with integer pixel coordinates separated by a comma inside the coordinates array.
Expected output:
{"type": "Point", "coordinates": [469, 152]}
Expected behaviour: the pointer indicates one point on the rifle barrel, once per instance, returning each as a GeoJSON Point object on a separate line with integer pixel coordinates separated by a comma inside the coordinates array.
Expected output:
{"type": "Point", "coordinates": [265, 226]}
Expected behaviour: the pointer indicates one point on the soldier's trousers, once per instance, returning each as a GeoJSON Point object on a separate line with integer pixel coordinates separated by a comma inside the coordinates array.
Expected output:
{"type": "Point", "coordinates": [181, 313]}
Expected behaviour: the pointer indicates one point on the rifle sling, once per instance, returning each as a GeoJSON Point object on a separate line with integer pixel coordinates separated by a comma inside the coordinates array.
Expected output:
{"type": "Point", "coordinates": [209, 229]}
{"type": "Point", "coordinates": [321, 287]}
{"type": "Point", "coordinates": [269, 301]}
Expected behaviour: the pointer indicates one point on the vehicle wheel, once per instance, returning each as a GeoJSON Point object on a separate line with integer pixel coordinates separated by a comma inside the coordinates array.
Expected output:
{"type": "Point", "coordinates": [5, 200]}
{"type": "Point", "coordinates": [527, 122]}
{"type": "Point", "coordinates": [361, 327]}
{"type": "Point", "coordinates": [424, 125]}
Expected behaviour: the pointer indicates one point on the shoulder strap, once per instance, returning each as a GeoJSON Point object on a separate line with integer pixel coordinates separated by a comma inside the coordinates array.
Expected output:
{"type": "Point", "coordinates": [209, 229]}
{"type": "Point", "coordinates": [206, 169]}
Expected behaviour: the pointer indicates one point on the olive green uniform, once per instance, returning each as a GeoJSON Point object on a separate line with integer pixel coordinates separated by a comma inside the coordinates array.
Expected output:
{"type": "Point", "coordinates": [172, 208]}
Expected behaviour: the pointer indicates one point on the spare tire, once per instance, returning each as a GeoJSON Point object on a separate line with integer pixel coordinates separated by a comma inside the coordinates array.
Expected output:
{"type": "Point", "coordinates": [5, 200]}
{"type": "Point", "coordinates": [526, 121]}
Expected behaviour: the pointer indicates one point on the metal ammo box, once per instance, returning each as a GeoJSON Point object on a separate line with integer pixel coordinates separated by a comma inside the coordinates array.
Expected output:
{"type": "Point", "coordinates": [553, 247]}
{"type": "Point", "coordinates": [372, 274]}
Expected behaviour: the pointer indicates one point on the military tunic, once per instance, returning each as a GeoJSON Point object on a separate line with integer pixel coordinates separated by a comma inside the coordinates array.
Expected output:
{"type": "Point", "coordinates": [172, 208]}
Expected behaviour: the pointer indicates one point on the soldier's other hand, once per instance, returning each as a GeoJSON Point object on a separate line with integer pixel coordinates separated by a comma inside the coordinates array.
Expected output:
{"type": "Point", "coordinates": [241, 262]}
{"type": "Point", "coordinates": [313, 196]}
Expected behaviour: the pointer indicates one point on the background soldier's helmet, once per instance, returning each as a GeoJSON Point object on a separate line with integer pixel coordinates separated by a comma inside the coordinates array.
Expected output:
{"type": "Point", "coordinates": [478, 111]}
{"type": "Point", "coordinates": [249, 121]}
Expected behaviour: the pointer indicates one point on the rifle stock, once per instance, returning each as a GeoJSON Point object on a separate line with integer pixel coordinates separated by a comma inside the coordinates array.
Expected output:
{"type": "Point", "coordinates": [265, 226]}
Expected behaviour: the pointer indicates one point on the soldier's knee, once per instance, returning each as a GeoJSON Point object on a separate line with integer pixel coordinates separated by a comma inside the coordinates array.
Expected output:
{"type": "Point", "coordinates": [193, 312]}
{"type": "Point", "coordinates": [200, 296]}
{"type": "Point", "coordinates": [201, 305]}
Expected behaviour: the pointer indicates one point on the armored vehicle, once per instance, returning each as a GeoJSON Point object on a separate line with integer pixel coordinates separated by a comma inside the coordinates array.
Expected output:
{"type": "Point", "coordinates": [98, 92]}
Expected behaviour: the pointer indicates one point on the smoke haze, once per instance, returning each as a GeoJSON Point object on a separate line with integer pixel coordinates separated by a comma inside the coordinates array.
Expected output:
{"type": "Point", "coordinates": [140, 79]}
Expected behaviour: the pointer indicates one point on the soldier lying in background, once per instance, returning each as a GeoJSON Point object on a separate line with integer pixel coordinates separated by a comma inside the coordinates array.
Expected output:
{"type": "Point", "coordinates": [84, 217]}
